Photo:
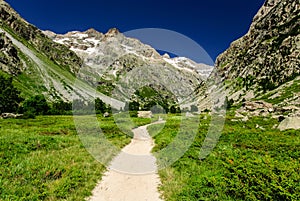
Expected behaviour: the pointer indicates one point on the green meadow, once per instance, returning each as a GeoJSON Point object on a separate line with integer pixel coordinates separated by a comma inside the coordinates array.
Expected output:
{"type": "Point", "coordinates": [248, 163]}
{"type": "Point", "coordinates": [44, 159]}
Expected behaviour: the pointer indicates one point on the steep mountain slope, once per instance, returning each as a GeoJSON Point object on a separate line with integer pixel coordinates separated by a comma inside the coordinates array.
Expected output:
{"type": "Point", "coordinates": [39, 65]}
{"type": "Point", "coordinates": [10, 61]}
{"type": "Point", "coordinates": [265, 63]}
{"type": "Point", "coordinates": [14, 24]}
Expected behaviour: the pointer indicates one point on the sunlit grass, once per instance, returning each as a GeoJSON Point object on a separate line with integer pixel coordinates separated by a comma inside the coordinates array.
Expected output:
{"type": "Point", "coordinates": [248, 163]}
{"type": "Point", "coordinates": [44, 159]}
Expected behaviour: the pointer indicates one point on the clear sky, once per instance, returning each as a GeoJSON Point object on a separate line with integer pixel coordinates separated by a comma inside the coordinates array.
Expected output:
{"type": "Point", "coordinates": [213, 24]}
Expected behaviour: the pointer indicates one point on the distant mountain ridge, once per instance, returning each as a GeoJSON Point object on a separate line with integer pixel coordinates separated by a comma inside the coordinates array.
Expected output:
{"type": "Point", "coordinates": [91, 45]}
{"type": "Point", "coordinates": [47, 63]}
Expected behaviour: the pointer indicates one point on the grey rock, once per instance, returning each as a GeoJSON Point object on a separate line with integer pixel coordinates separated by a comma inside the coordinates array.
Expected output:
{"type": "Point", "coordinates": [106, 114]}
{"type": "Point", "coordinates": [10, 115]}
{"type": "Point", "coordinates": [290, 123]}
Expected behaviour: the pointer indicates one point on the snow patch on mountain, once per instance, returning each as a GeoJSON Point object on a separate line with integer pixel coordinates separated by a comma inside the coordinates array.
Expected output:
{"type": "Point", "coordinates": [95, 47]}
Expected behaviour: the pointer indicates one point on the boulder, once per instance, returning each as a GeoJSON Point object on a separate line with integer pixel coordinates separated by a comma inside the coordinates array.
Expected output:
{"type": "Point", "coordinates": [238, 115]}
{"type": "Point", "coordinates": [106, 114]}
{"type": "Point", "coordinates": [145, 114]}
{"type": "Point", "coordinates": [246, 118]}
{"type": "Point", "coordinates": [290, 123]}
{"type": "Point", "coordinates": [188, 114]}
{"type": "Point", "coordinates": [254, 105]}
{"type": "Point", "coordinates": [10, 116]}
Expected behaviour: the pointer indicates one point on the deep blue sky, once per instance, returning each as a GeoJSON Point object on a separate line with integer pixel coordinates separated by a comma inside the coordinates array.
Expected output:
{"type": "Point", "coordinates": [213, 24]}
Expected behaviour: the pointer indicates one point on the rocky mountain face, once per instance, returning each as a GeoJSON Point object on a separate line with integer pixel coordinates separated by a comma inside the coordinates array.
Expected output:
{"type": "Point", "coordinates": [10, 61]}
{"type": "Point", "coordinates": [11, 21]}
{"type": "Point", "coordinates": [264, 65]}
{"type": "Point", "coordinates": [268, 55]}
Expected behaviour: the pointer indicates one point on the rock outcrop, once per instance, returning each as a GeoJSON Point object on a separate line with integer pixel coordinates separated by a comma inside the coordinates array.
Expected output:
{"type": "Point", "coordinates": [10, 61]}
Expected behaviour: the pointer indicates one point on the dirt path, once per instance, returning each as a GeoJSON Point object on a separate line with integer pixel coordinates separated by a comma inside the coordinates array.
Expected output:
{"type": "Point", "coordinates": [132, 174]}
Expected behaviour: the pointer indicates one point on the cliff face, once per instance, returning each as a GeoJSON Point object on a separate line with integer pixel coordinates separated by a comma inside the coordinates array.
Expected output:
{"type": "Point", "coordinates": [262, 66]}
{"type": "Point", "coordinates": [268, 55]}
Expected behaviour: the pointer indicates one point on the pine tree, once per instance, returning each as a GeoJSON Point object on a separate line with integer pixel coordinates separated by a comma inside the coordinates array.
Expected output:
{"type": "Point", "coordinates": [9, 95]}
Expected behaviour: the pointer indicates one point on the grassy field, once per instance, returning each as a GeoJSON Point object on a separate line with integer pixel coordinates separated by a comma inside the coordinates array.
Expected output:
{"type": "Point", "coordinates": [252, 161]}
{"type": "Point", "coordinates": [44, 159]}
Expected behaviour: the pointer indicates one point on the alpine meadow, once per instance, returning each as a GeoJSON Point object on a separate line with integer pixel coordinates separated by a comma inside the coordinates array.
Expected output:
{"type": "Point", "coordinates": [94, 116]}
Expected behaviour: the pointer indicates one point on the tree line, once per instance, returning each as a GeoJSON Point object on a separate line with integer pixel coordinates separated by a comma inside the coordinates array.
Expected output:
{"type": "Point", "coordinates": [12, 102]}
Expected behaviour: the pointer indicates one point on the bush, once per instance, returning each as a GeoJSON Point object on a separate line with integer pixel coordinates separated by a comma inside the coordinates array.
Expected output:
{"type": "Point", "coordinates": [61, 108]}
{"type": "Point", "coordinates": [28, 115]}
{"type": "Point", "coordinates": [100, 106]}
{"type": "Point", "coordinates": [134, 106]}
{"type": "Point", "coordinates": [174, 109]}
{"type": "Point", "coordinates": [229, 103]}
{"type": "Point", "coordinates": [36, 105]}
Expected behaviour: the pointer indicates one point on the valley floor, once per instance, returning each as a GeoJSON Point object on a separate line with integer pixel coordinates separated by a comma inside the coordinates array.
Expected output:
{"type": "Point", "coordinates": [44, 159]}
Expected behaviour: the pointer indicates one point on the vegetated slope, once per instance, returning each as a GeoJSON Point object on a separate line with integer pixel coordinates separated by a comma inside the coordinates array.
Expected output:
{"type": "Point", "coordinates": [268, 57]}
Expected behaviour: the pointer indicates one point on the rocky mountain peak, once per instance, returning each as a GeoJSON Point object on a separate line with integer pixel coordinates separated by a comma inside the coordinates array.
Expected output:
{"type": "Point", "coordinates": [93, 33]}
{"type": "Point", "coordinates": [112, 32]}
{"type": "Point", "coordinates": [265, 9]}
